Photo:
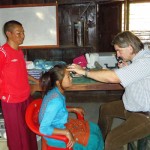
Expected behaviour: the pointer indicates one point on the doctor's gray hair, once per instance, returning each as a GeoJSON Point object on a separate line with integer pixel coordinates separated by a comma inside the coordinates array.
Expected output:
{"type": "Point", "coordinates": [127, 38]}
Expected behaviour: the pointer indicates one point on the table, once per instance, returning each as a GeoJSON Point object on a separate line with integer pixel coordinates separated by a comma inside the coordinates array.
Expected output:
{"type": "Point", "coordinates": [95, 86]}
{"type": "Point", "coordinates": [84, 84]}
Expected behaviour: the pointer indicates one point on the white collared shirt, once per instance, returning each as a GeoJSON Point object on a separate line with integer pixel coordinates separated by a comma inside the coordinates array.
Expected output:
{"type": "Point", "coordinates": [135, 78]}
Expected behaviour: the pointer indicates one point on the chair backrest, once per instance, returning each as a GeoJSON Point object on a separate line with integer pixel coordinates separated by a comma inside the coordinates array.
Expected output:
{"type": "Point", "coordinates": [31, 116]}
{"type": "Point", "coordinates": [32, 121]}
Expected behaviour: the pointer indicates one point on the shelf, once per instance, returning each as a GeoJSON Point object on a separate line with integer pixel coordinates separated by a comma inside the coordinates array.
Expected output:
{"type": "Point", "coordinates": [73, 46]}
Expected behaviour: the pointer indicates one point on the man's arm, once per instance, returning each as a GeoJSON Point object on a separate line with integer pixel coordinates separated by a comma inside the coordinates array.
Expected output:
{"type": "Point", "coordinates": [104, 75]}
{"type": "Point", "coordinates": [31, 78]}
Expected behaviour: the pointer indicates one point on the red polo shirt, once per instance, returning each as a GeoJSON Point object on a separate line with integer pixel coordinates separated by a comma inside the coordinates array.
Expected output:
{"type": "Point", "coordinates": [14, 86]}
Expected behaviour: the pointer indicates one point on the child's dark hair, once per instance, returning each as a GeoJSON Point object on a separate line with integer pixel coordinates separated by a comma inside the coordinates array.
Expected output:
{"type": "Point", "coordinates": [49, 78]}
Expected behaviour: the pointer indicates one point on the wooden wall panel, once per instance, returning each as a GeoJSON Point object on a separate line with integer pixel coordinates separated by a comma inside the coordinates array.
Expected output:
{"type": "Point", "coordinates": [69, 12]}
{"type": "Point", "coordinates": [109, 24]}
{"type": "Point", "coordinates": [6, 2]}
{"type": "Point", "coordinates": [67, 15]}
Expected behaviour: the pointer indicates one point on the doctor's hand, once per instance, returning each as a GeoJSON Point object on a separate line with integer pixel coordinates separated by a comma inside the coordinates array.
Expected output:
{"type": "Point", "coordinates": [76, 68]}
{"type": "Point", "coordinates": [122, 64]}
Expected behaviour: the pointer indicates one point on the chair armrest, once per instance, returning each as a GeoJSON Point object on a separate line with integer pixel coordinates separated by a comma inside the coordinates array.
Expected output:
{"type": "Point", "coordinates": [79, 116]}
{"type": "Point", "coordinates": [57, 137]}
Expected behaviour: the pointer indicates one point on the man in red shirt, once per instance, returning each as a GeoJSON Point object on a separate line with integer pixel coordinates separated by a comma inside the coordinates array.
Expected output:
{"type": "Point", "coordinates": [15, 89]}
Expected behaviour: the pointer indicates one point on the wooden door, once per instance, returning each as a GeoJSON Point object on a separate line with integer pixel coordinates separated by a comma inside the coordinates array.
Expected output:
{"type": "Point", "coordinates": [109, 24]}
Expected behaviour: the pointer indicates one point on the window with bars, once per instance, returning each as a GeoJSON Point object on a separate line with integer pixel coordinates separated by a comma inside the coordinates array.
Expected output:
{"type": "Point", "coordinates": [139, 20]}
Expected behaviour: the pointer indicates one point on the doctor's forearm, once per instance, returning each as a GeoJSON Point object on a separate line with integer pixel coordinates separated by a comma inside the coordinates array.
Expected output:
{"type": "Point", "coordinates": [107, 76]}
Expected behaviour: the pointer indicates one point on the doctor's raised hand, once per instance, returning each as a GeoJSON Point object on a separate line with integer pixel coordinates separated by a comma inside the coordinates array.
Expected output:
{"type": "Point", "coordinates": [76, 68]}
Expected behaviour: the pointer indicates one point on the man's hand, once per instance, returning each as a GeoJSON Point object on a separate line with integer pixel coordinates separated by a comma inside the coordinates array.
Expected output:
{"type": "Point", "coordinates": [76, 68]}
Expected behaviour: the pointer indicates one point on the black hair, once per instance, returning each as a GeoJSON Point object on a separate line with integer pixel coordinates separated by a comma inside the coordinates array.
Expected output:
{"type": "Point", "coordinates": [8, 26]}
{"type": "Point", "coordinates": [49, 78]}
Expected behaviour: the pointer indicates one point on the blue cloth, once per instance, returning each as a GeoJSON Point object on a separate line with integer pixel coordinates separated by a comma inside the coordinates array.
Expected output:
{"type": "Point", "coordinates": [53, 114]}
{"type": "Point", "coordinates": [95, 140]}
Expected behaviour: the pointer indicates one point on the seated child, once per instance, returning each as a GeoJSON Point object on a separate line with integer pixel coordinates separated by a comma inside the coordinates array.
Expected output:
{"type": "Point", "coordinates": [53, 116]}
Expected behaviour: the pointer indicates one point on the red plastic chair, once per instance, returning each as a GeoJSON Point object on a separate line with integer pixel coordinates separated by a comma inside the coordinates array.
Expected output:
{"type": "Point", "coordinates": [31, 117]}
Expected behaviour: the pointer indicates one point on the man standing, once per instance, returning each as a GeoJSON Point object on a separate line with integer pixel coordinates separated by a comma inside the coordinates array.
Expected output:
{"type": "Point", "coordinates": [135, 105]}
{"type": "Point", "coordinates": [15, 89]}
